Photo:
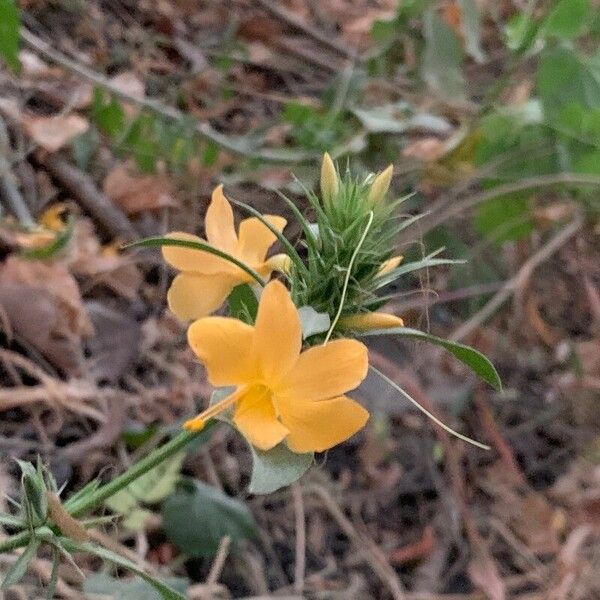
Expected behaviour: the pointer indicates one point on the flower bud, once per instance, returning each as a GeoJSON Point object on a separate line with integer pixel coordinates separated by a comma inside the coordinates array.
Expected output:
{"type": "Point", "coordinates": [380, 186]}
{"type": "Point", "coordinates": [329, 179]}
{"type": "Point", "coordinates": [370, 321]}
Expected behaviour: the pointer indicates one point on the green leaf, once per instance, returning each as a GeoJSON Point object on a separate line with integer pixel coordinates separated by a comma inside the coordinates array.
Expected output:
{"type": "Point", "coordinates": [276, 468]}
{"type": "Point", "coordinates": [565, 78]}
{"type": "Point", "coordinates": [9, 33]}
{"type": "Point", "coordinates": [243, 304]}
{"type": "Point", "coordinates": [471, 25]}
{"type": "Point", "coordinates": [313, 322]}
{"type": "Point", "coordinates": [164, 241]}
{"type": "Point", "coordinates": [442, 59]}
{"type": "Point", "coordinates": [474, 359]}
{"type": "Point", "coordinates": [150, 488]}
{"type": "Point", "coordinates": [127, 589]}
{"type": "Point", "coordinates": [56, 245]}
{"type": "Point", "coordinates": [84, 147]}
{"type": "Point", "coordinates": [568, 19]}
{"type": "Point", "coordinates": [166, 592]}
{"type": "Point", "coordinates": [520, 32]}
{"type": "Point", "coordinates": [505, 218]}
{"type": "Point", "coordinates": [11, 521]}
{"type": "Point", "coordinates": [197, 516]}
{"type": "Point", "coordinates": [17, 570]}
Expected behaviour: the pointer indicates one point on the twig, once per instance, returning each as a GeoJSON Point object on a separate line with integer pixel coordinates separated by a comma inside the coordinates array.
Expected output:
{"type": "Point", "coordinates": [8, 185]}
{"type": "Point", "coordinates": [108, 433]}
{"type": "Point", "coordinates": [497, 440]}
{"type": "Point", "coordinates": [202, 128]}
{"type": "Point", "coordinates": [473, 291]}
{"type": "Point", "coordinates": [111, 218]}
{"type": "Point", "coordinates": [217, 566]}
{"type": "Point", "coordinates": [291, 19]}
{"type": "Point", "coordinates": [442, 210]}
{"type": "Point", "coordinates": [513, 284]}
{"type": "Point", "coordinates": [367, 547]}
{"type": "Point", "coordinates": [300, 567]}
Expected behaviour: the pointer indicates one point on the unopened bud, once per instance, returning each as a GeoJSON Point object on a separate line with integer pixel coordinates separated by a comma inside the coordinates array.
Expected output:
{"type": "Point", "coordinates": [329, 179]}
{"type": "Point", "coordinates": [380, 186]}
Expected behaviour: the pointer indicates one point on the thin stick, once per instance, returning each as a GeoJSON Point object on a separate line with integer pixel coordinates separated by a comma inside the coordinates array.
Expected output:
{"type": "Point", "coordinates": [291, 19]}
{"type": "Point", "coordinates": [442, 211]}
{"type": "Point", "coordinates": [300, 567]}
{"type": "Point", "coordinates": [347, 278]}
{"type": "Point", "coordinates": [365, 546]}
{"type": "Point", "coordinates": [8, 186]}
{"type": "Point", "coordinates": [202, 128]}
{"type": "Point", "coordinates": [219, 562]}
{"type": "Point", "coordinates": [513, 284]}
{"type": "Point", "coordinates": [108, 216]}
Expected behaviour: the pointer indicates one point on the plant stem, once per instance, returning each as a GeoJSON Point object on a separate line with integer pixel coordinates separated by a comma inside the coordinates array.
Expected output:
{"type": "Point", "coordinates": [87, 503]}
{"type": "Point", "coordinates": [18, 540]}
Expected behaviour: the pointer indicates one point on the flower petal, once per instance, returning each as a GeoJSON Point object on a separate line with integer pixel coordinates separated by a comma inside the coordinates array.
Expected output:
{"type": "Point", "coordinates": [368, 321]}
{"type": "Point", "coordinates": [197, 261]}
{"type": "Point", "coordinates": [277, 334]}
{"type": "Point", "coordinates": [326, 371]}
{"type": "Point", "coordinates": [255, 238]}
{"type": "Point", "coordinates": [255, 417]}
{"type": "Point", "coordinates": [218, 222]}
{"type": "Point", "coordinates": [318, 426]}
{"type": "Point", "coordinates": [224, 346]}
{"type": "Point", "coordinates": [192, 295]}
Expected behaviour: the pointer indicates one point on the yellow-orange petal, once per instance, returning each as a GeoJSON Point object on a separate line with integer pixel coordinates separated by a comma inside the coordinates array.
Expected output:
{"type": "Point", "coordinates": [255, 238]}
{"type": "Point", "coordinates": [224, 346]}
{"type": "Point", "coordinates": [325, 371]}
{"type": "Point", "coordinates": [318, 426]}
{"type": "Point", "coordinates": [218, 223]}
{"type": "Point", "coordinates": [277, 334]}
{"type": "Point", "coordinates": [389, 265]}
{"type": "Point", "coordinates": [193, 296]}
{"type": "Point", "coordinates": [380, 186]}
{"type": "Point", "coordinates": [196, 261]}
{"type": "Point", "coordinates": [368, 321]}
{"type": "Point", "coordinates": [255, 417]}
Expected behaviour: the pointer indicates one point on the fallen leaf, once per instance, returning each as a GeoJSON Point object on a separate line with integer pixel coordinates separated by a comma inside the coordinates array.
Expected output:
{"type": "Point", "coordinates": [129, 83]}
{"type": "Point", "coordinates": [44, 307]}
{"type": "Point", "coordinates": [86, 256]}
{"type": "Point", "coordinates": [137, 193]}
{"type": "Point", "coordinates": [426, 149]}
{"type": "Point", "coordinates": [53, 133]}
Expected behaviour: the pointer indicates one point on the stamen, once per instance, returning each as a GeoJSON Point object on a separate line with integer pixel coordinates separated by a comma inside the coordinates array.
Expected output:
{"type": "Point", "coordinates": [198, 423]}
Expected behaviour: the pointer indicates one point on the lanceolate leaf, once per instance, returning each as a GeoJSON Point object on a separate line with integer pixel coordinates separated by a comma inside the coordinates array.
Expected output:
{"type": "Point", "coordinates": [17, 570]}
{"type": "Point", "coordinates": [165, 591]}
{"type": "Point", "coordinates": [164, 241]}
{"type": "Point", "coordinates": [474, 359]}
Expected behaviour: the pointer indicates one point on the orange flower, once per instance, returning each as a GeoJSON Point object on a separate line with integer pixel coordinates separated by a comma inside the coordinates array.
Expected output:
{"type": "Point", "coordinates": [281, 393]}
{"type": "Point", "coordinates": [206, 280]}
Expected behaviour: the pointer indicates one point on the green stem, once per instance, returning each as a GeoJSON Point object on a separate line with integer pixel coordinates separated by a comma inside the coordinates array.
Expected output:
{"type": "Point", "coordinates": [87, 503]}
{"type": "Point", "coordinates": [96, 498]}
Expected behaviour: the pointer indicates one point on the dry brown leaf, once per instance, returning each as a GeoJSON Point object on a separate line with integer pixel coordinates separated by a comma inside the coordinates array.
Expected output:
{"type": "Point", "coordinates": [85, 256]}
{"type": "Point", "coordinates": [44, 306]}
{"type": "Point", "coordinates": [426, 149]}
{"type": "Point", "coordinates": [137, 193]}
{"type": "Point", "coordinates": [483, 573]}
{"type": "Point", "coordinates": [53, 133]}
{"type": "Point", "coordinates": [129, 83]}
